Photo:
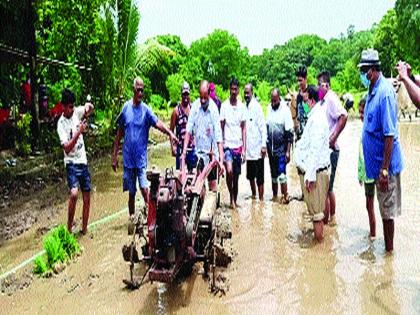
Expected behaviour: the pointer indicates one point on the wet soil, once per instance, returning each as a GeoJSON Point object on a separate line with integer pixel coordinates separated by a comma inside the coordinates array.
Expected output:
{"type": "Point", "coordinates": [277, 267]}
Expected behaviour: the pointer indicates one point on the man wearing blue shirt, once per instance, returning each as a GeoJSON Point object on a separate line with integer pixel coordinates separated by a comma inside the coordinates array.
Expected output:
{"type": "Point", "coordinates": [134, 123]}
{"type": "Point", "coordinates": [381, 145]}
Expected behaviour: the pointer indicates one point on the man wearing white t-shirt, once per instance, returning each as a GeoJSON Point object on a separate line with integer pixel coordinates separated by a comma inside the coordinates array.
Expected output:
{"type": "Point", "coordinates": [233, 119]}
{"type": "Point", "coordinates": [256, 143]}
{"type": "Point", "coordinates": [70, 128]}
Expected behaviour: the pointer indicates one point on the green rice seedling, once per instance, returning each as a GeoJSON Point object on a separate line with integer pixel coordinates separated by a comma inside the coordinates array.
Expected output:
{"type": "Point", "coordinates": [68, 241]}
{"type": "Point", "coordinates": [60, 246]}
{"type": "Point", "coordinates": [40, 265]}
{"type": "Point", "coordinates": [54, 249]}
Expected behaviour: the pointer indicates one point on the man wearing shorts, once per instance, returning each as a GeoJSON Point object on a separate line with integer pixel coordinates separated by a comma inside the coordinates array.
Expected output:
{"type": "Point", "coordinates": [279, 141]}
{"type": "Point", "coordinates": [381, 145]}
{"type": "Point", "coordinates": [134, 123]}
{"type": "Point", "coordinates": [256, 141]}
{"type": "Point", "coordinates": [70, 128]}
{"type": "Point", "coordinates": [233, 123]}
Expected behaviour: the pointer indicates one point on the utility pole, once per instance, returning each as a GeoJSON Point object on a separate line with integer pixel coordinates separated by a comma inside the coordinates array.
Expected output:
{"type": "Point", "coordinates": [33, 73]}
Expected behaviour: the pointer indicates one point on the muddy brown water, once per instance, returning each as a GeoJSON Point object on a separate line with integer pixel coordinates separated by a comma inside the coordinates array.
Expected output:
{"type": "Point", "coordinates": [278, 269]}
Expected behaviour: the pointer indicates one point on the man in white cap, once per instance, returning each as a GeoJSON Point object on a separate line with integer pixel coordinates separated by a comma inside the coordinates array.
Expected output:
{"type": "Point", "coordinates": [381, 145]}
{"type": "Point", "coordinates": [179, 121]}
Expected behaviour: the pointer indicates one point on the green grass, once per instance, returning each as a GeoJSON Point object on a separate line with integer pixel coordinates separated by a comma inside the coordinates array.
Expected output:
{"type": "Point", "coordinates": [60, 246]}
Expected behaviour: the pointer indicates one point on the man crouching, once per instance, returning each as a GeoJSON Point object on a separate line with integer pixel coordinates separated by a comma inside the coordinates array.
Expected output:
{"type": "Point", "coordinates": [312, 156]}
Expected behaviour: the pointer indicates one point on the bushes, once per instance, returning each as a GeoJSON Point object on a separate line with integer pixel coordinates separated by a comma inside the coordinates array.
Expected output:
{"type": "Point", "coordinates": [23, 145]}
{"type": "Point", "coordinates": [60, 246]}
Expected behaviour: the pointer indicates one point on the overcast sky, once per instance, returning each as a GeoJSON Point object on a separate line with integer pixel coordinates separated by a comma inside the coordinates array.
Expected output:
{"type": "Point", "coordinates": [258, 24]}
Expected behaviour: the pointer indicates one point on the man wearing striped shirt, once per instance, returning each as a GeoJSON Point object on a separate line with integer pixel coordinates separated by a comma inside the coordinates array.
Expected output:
{"type": "Point", "coordinates": [204, 124]}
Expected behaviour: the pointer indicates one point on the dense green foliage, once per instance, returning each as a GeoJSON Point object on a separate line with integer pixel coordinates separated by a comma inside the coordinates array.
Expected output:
{"type": "Point", "coordinates": [60, 246]}
{"type": "Point", "coordinates": [102, 35]}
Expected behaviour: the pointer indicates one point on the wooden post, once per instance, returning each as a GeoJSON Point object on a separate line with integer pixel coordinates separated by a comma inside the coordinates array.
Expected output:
{"type": "Point", "coordinates": [33, 73]}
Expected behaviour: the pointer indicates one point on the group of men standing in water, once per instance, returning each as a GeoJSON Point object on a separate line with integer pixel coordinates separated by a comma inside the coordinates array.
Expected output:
{"type": "Point", "coordinates": [234, 132]}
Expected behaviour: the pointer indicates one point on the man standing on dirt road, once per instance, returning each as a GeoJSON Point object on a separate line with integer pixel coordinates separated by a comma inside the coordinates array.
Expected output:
{"type": "Point", "coordinates": [70, 128]}
{"type": "Point", "coordinates": [134, 123]}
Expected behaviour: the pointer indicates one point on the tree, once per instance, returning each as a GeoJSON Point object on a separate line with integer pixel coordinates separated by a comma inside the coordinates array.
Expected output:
{"type": "Point", "coordinates": [220, 56]}
{"type": "Point", "coordinates": [151, 60]}
{"type": "Point", "coordinates": [331, 57]}
{"type": "Point", "coordinates": [386, 42]}
{"type": "Point", "coordinates": [408, 30]}
{"type": "Point", "coordinates": [278, 65]}
{"type": "Point", "coordinates": [173, 84]}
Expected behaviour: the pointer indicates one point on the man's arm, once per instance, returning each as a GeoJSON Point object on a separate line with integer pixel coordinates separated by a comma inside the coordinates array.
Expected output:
{"type": "Point", "coordinates": [384, 180]}
{"type": "Point", "coordinates": [263, 132]}
{"type": "Point", "coordinates": [289, 132]}
{"type": "Point", "coordinates": [118, 136]}
{"type": "Point", "coordinates": [222, 126]}
{"type": "Point", "coordinates": [88, 109]}
{"type": "Point", "coordinates": [412, 87]}
{"type": "Point", "coordinates": [184, 150]}
{"type": "Point", "coordinates": [172, 125]}
{"type": "Point", "coordinates": [69, 145]}
{"type": "Point", "coordinates": [221, 158]}
{"type": "Point", "coordinates": [338, 129]}
{"type": "Point", "coordinates": [161, 126]}
{"type": "Point", "coordinates": [243, 128]}
{"type": "Point", "coordinates": [413, 91]}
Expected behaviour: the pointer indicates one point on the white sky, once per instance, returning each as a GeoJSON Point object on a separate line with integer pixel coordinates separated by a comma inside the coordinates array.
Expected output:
{"type": "Point", "coordinates": [257, 24]}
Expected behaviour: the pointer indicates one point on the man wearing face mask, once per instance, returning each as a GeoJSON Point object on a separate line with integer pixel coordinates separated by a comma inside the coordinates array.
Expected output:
{"type": "Point", "coordinates": [204, 124]}
{"type": "Point", "coordinates": [214, 97]}
{"type": "Point", "coordinates": [279, 141]}
{"type": "Point", "coordinates": [179, 120]}
{"type": "Point", "coordinates": [337, 118]}
{"type": "Point", "coordinates": [256, 139]}
{"type": "Point", "coordinates": [312, 159]}
{"type": "Point", "coordinates": [381, 145]}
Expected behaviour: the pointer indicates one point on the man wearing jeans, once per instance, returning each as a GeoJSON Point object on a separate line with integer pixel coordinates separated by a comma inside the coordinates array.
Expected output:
{"type": "Point", "coordinates": [70, 128]}
{"type": "Point", "coordinates": [381, 145]}
{"type": "Point", "coordinates": [134, 123]}
{"type": "Point", "coordinates": [337, 118]}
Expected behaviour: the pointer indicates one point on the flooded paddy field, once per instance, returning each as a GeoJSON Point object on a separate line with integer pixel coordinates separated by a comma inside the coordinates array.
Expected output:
{"type": "Point", "coordinates": [277, 268]}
